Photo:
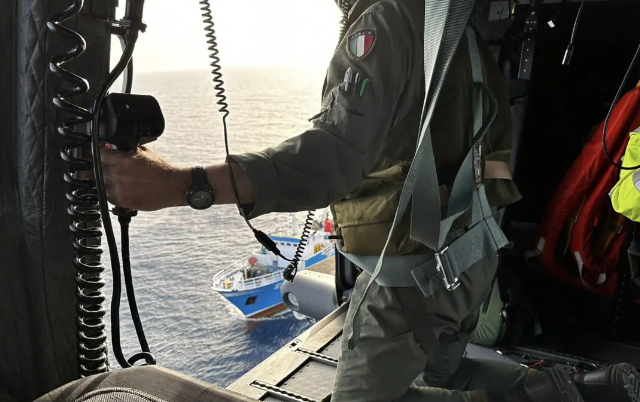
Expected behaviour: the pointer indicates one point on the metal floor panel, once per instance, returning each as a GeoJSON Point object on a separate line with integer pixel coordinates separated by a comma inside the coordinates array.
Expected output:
{"type": "Point", "coordinates": [333, 349]}
{"type": "Point", "coordinates": [304, 370]}
{"type": "Point", "coordinates": [314, 380]}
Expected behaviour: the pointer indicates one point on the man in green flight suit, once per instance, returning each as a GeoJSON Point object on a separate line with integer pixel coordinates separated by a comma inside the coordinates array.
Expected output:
{"type": "Point", "coordinates": [369, 121]}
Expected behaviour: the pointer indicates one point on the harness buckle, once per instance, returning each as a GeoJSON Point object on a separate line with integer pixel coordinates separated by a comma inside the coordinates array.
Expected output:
{"type": "Point", "coordinates": [451, 283]}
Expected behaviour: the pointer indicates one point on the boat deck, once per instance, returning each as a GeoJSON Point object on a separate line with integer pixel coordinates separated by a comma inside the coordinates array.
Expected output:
{"type": "Point", "coordinates": [327, 266]}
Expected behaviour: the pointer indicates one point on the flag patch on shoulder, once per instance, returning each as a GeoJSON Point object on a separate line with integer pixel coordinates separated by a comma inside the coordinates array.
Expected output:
{"type": "Point", "coordinates": [361, 43]}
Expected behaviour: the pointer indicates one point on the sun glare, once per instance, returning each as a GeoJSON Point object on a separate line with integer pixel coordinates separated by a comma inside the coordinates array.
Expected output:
{"type": "Point", "coordinates": [249, 33]}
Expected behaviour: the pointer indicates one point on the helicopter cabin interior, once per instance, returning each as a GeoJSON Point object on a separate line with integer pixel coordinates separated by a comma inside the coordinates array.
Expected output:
{"type": "Point", "coordinates": [556, 108]}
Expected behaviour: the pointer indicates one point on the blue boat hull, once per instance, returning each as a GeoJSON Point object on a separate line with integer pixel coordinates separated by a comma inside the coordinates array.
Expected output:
{"type": "Point", "coordinates": [259, 302]}
{"type": "Point", "coordinates": [266, 300]}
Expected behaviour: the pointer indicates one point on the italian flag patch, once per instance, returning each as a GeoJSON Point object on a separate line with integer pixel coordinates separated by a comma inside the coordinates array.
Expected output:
{"type": "Point", "coordinates": [360, 43]}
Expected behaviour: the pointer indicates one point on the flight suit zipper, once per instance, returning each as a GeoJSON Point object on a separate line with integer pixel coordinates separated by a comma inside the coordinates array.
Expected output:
{"type": "Point", "coordinates": [321, 117]}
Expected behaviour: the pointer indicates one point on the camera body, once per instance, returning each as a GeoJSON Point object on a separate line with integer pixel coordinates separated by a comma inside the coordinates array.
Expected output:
{"type": "Point", "coordinates": [128, 120]}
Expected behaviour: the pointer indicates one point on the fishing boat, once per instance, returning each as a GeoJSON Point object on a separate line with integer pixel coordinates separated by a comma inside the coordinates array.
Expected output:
{"type": "Point", "coordinates": [253, 286]}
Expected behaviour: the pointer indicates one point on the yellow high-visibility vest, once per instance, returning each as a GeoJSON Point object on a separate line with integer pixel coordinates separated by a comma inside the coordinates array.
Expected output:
{"type": "Point", "coordinates": [625, 195]}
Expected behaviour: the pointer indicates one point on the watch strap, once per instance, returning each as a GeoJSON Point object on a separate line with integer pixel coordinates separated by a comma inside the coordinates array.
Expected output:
{"type": "Point", "coordinates": [199, 179]}
{"type": "Point", "coordinates": [200, 184]}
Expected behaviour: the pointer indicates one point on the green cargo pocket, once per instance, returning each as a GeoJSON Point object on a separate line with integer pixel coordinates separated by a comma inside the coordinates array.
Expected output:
{"type": "Point", "coordinates": [365, 223]}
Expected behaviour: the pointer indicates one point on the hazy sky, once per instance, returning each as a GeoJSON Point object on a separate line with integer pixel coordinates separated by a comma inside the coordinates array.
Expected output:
{"type": "Point", "coordinates": [249, 32]}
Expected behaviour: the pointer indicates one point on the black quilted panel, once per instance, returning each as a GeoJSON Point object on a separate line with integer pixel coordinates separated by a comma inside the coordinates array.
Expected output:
{"type": "Point", "coordinates": [37, 292]}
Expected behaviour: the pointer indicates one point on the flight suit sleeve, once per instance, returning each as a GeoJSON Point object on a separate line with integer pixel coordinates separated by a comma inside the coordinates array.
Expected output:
{"type": "Point", "coordinates": [500, 188]}
{"type": "Point", "coordinates": [326, 162]}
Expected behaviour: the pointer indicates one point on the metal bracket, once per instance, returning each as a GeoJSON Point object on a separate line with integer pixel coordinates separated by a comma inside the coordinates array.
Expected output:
{"type": "Point", "coordinates": [499, 10]}
{"type": "Point", "coordinates": [450, 283]}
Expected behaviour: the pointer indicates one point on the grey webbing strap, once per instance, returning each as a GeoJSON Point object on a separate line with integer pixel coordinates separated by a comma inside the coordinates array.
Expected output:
{"type": "Point", "coordinates": [463, 188]}
{"type": "Point", "coordinates": [433, 273]}
{"type": "Point", "coordinates": [445, 21]}
{"type": "Point", "coordinates": [484, 236]}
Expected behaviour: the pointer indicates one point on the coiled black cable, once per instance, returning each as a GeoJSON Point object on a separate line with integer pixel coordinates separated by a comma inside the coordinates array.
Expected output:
{"type": "Point", "coordinates": [262, 238]}
{"type": "Point", "coordinates": [290, 272]}
{"type": "Point", "coordinates": [83, 205]}
{"type": "Point", "coordinates": [210, 34]}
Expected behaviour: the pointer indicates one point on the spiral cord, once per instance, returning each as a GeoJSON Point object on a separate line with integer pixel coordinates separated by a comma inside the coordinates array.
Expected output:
{"type": "Point", "coordinates": [215, 64]}
{"type": "Point", "coordinates": [212, 41]}
{"type": "Point", "coordinates": [83, 209]}
{"type": "Point", "coordinates": [292, 269]}
{"type": "Point", "coordinates": [210, 34]}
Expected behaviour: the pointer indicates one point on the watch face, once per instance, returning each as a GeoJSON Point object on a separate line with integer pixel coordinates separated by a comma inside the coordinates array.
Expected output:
{"type": "Point", "coordinates": [201, 199]}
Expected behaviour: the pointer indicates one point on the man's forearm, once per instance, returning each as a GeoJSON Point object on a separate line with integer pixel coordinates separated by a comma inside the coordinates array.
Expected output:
{"type": "Point", "coordinates": [220, 181]}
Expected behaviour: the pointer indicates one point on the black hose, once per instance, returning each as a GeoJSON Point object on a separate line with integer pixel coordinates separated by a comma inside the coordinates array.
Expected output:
{"type": "Point", "coordinates": [124, 221]}
{"type": "Point", "coordinates": [113, 251]}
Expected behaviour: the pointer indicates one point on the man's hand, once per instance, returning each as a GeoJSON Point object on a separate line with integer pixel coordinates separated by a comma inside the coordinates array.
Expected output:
{"type": "Point", "coordinates": [143, 180]}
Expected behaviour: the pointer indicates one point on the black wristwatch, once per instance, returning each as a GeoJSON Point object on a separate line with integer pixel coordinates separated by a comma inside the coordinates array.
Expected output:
{"type": "Point", "coordinates": [200, 194]}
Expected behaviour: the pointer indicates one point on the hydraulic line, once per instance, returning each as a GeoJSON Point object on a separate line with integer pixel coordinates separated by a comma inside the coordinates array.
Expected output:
{"type": "Point", "coordinates": [83, 205]}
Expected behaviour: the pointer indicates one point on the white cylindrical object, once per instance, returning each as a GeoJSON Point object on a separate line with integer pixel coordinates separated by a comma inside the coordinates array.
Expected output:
{"type": "Point", "coordinates": [312, 294]}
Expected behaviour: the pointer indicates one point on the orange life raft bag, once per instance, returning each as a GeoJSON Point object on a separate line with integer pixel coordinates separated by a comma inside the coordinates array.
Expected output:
{"type": "Point", "coordinates": [581, 237]}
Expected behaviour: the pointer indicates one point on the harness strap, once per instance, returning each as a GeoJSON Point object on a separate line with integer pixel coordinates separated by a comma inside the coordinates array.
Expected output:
{"type": "Point", "coordinates": [432, 273]}
{"type": "Point", "coordinates": [444, 25]}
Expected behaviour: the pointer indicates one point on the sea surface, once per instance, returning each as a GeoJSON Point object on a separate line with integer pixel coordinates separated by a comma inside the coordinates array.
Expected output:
{"type": "Point", "coordinates": [176, 252]}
